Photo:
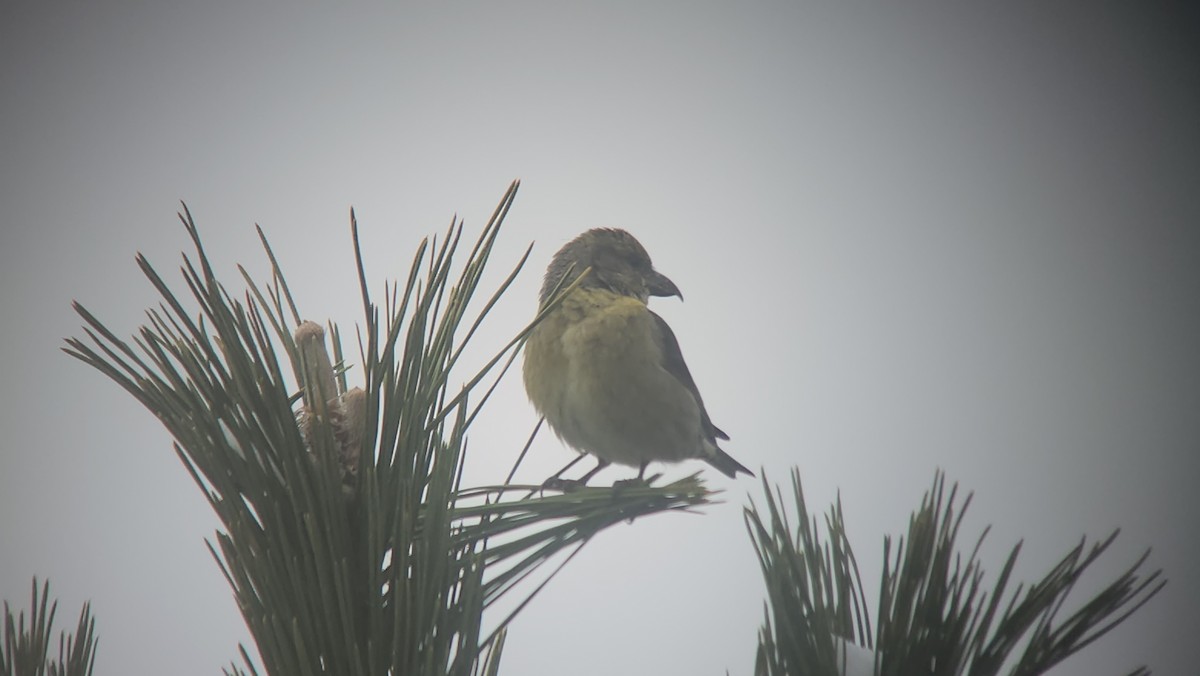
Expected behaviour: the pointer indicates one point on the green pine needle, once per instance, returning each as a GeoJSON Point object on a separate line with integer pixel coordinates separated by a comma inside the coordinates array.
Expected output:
{"type": "Point", "coordinates": [935, 615]}
{"type": "Point", "coordinates": [25, 649]}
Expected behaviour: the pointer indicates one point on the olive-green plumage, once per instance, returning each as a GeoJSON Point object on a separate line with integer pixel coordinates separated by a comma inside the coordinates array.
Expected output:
{"type": "Point", "coordinates": [606, 371]}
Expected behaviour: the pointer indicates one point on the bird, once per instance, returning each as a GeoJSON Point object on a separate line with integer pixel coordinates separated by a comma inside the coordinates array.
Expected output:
{"type": "Point", "coordinates": [605, 371]}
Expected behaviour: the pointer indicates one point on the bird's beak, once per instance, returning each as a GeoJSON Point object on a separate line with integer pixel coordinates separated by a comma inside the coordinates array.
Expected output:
{"type": "Point", "coordinates": [659, 285]}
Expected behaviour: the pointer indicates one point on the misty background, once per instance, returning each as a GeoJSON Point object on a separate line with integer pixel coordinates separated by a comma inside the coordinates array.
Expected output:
{"type": "Point", "coordinates": [910, 237]}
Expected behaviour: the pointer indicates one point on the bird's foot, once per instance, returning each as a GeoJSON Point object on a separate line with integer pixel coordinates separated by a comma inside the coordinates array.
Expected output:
{"type": "Point", "coordinates": [563, 485]}
{"type": "Point", "coordinates": [636, 482]}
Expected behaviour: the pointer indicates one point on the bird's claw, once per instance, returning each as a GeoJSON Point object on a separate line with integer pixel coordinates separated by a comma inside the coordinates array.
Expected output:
{"type": "Point", "coordinates": [562, 485]}
{"type": "Point", "coordinates": [635, 482]}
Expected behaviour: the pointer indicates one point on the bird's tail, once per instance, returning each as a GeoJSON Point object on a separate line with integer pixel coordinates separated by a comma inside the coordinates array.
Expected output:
{"type": "Point", "coordinates": [726, 464]}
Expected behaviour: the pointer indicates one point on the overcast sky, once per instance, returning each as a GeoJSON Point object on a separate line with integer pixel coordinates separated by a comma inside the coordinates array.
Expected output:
{"type": "Point", "coordinates": [910, 237]}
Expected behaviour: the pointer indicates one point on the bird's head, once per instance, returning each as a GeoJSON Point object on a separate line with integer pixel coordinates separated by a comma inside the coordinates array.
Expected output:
{"type": "Point", "coordinates": [619, 264]}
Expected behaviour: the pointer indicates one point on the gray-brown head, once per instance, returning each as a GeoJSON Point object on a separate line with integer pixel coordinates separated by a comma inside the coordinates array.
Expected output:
{"type": "Point", "coordinates": [618, 261]}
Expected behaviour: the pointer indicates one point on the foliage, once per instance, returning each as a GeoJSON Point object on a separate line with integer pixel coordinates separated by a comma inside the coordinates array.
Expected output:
{"type": "Point", "coordinates": [935, 616]}
{"type": "Point", "coordinates": [25, 648]}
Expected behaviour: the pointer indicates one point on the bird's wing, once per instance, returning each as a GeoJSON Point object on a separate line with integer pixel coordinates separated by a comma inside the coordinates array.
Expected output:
{"type": "Point", "coordinates": [674, 364]}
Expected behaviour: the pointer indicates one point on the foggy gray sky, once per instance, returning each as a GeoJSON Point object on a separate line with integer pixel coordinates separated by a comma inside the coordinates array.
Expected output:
{"type": "Point", "coordinates": [909, 237]}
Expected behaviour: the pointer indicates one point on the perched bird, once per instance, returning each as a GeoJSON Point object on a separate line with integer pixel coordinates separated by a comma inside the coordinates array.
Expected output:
{"type": "Point", "coordinates": [606, 372]}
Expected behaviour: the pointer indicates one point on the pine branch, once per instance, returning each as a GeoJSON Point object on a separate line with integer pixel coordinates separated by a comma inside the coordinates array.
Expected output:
{"type": "Point", "coordinates": [815, 595]}
{"type": "Point", "coordinates": [348, 540]}
{"type": "Point", "coordinates": [935, 616]}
